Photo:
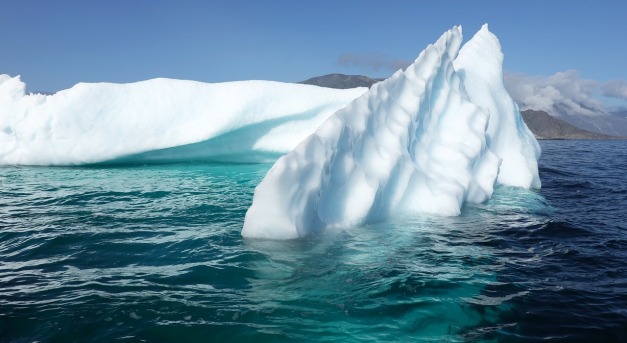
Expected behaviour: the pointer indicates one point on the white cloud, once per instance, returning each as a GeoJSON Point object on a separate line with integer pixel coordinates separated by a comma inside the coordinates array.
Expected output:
{"type": "Point", "coordinates": [615, 89]}
{"type": "Point", "coordinates": [563, 93]}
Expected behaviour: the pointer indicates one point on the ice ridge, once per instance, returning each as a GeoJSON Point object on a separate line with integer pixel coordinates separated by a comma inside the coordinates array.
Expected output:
{"type": "Point", "coordinates": [428, 139]}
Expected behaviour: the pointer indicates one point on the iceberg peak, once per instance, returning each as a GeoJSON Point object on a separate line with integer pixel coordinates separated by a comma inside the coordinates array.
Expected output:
{"type": "Point", "coordinates": [427, 139]}
{"type": "Point", "coordinates": [480, 64]}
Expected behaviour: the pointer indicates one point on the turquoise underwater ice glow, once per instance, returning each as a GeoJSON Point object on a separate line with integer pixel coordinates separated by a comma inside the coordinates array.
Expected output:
{"type": "Point", "coordinates": [428, 139]}
{"type": "Point", "coordinates": [154, 253]}
{"type": "Point", "coordinates": [128, 251]}
{"type": "Point", "coordinates": [140, 251]}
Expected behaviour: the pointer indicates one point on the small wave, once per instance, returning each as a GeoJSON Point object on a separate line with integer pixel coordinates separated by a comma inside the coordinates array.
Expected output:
{"type": "Point", "coordinates": [559, 229]}
{"type": "Point", "coordinates": [543, 169]}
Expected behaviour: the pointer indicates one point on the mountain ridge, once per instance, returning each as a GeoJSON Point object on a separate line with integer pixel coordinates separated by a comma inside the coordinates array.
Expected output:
{"type": "Point", "coordinates": [545, 126]}
{"type": "Point", "coordinates": [341, 81]}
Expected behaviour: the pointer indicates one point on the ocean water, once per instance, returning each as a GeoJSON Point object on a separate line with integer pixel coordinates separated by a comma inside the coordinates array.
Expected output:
{"type": "Point", "coordinates": [153, 253]}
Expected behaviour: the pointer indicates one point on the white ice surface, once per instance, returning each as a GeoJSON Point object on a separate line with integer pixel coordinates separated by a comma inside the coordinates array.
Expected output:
{"type": "Point", "coordinates": [160, 120]}
{"type": "Point", "coordinates": [480, 65]}
{"type": "Point", "coordinates": [428, 139]}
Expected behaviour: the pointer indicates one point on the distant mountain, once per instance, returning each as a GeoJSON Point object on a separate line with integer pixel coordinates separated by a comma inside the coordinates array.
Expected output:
{"type": "Point", "coordinates": [614, 124]}
{"type": "Point", "coordinates": [568, 126]}
{"type": "Point", "coordinates": [545, 126]}
{"type": "Point", "coordinates": [341, 81]}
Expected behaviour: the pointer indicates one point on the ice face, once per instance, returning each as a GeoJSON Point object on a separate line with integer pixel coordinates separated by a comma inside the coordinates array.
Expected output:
{"type": "Point", "coordinates": [160, 120]}
{"type": "Point", "coordinates": [480, 66]}
{"type": "Point", "coordinates": [424, 140]}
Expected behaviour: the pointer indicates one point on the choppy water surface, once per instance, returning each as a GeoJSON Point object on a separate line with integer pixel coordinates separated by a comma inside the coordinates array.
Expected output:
{"type": "Point", "coordinates": [154, 253]}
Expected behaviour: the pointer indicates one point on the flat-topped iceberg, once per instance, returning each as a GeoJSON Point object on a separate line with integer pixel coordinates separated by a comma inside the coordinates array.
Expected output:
{"type": "Point", "coordinates": [160, 120]}
{"type": "Point", "coordinates": [428, 139]}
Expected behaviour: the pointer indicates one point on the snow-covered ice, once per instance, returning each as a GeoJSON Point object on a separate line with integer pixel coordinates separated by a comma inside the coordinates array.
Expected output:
{"type": "Point", "coordinates": [160, 120]}
{"type": "Point", "coordinates": [428, 139]}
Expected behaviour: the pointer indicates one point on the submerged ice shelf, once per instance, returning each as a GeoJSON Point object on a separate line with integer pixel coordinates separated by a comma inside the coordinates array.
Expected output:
{"type": "Point", "coordinates": [428, 139]}
{"type": "Point", "coordinates": [160, 120]}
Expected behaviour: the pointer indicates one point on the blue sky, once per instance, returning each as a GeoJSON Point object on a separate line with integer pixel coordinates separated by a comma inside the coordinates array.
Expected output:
{"type": "Point", "coordinates": [55, 44]}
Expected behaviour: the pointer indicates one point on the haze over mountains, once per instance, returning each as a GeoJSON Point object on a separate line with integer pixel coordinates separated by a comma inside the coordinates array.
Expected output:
{"type": "Point", "coordinates": [544, 126]}
{"type": "Point", "coordinates": [541, 123]}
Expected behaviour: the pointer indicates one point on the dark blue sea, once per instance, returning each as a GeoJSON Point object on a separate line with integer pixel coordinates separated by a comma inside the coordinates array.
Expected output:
{"type": "Point", "coordinates": [153, 253]}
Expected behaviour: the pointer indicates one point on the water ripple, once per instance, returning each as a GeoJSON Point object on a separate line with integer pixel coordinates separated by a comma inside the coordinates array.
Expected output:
{"type": "Point", "coordinates": [153, 253]}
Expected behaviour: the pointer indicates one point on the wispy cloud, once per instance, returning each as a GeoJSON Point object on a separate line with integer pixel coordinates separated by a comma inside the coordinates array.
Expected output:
{"type": "Point", "coordinates": [373, 61]}
{"type": "Point", "coordinates": [563, 93]}
{"type": "Point", "coordinates": [615, 89]}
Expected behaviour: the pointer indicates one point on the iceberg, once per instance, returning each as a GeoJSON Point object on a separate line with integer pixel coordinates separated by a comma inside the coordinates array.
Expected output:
{"type": "Point", "coordinates": [428, 139]}
{"type": "Point", "coordinates": [160, 120]}
{"type": "Point", "coordinates": [480, 66]}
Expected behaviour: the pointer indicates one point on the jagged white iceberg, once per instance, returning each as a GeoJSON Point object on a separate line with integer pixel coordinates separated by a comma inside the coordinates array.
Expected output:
{"type": "Point", "coordinates": [427, 139]}
{"type": "Point", "coordinates": [160, 120]}
{"type": "Point", "coordinates": [480, 66]}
